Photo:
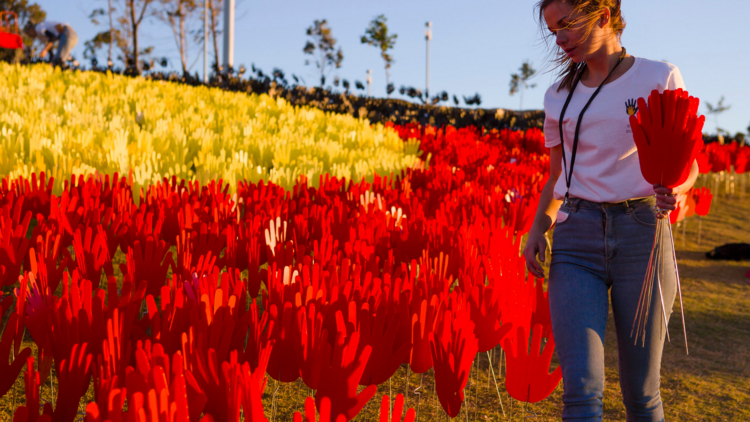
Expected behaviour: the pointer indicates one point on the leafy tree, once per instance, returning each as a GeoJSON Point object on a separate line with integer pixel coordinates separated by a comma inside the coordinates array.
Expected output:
{"type": "Point", "coordinates": [26, 12]}
{"type": "Point", "coordinates": [178, 14]}
{"type": "Point", "coordinates": [110, 37]}
{"type": "Point", "coordinates": [716, 110]}
{"type": "Point", "coordinates": [519, 82]}
{"type": "Point", "coordinates": [120, 34]}
{"type": "Point", "coordinates": [377, 35]}
{"type": "Point", "coordinates": [322, 47]}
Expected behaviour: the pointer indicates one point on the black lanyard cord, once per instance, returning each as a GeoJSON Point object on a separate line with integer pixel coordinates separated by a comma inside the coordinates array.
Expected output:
{"type": "Point", "coordinates": [569, 176]}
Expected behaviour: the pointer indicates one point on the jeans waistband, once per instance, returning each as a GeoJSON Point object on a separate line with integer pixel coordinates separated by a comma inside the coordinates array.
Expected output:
{"type": "Point", "coordinates": [578, 203]}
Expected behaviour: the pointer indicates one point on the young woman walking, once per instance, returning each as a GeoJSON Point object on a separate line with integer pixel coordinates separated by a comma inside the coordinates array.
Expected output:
{"type": "Point", "coordinates": [602, 209]}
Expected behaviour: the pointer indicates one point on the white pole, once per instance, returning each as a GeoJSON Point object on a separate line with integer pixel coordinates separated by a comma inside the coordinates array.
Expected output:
{"type": "Point", "coordinates": [369, 81]}
{"type": "Point", "coordinates": [427, 37]}
{"type": "Point", "coordinates": [205, 41]}
{"type": "Point", "coordinates": [228, 34]}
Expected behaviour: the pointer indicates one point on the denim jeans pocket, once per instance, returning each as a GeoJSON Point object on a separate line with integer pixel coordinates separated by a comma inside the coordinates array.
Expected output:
{"type": "Point", "coordinates": [564, 215]}
{"type": "Point", "coordinates": [644, 215]}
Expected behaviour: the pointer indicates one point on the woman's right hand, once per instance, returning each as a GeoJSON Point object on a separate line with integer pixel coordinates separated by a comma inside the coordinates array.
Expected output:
{"type": "Point", "coordinates": [536, 244]}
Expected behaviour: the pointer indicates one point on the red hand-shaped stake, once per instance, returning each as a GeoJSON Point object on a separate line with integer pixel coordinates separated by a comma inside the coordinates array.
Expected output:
{"type": "Point", "coordinates": [43, 261]}
{"type": "Point", "coordinates": [209, 238]}
{"type": "Point", "coordinates": [681, 208]}
{"type": "Point", "coordinates": [74, 375]}
{"type": "Point", "coordinates": [527, 377]}
{"type": "Point", "coordinates": [13, 242]}
{"type": "Point", "coordinates": [30, 412]}
{"type": "Point", "coordinates": [423, 323]}
{"type": "Point", "coordinates": [667, 133]}
{"type": "Point", "coordinates": [397, 410]}
{"type": "Point", "coordinates": [540, 309]}
{"type": "Point", "coordinates": [342, 375]}
{"type": "Point", "coordinates": [9, 372]}
{"type": "Point", "coordinates": [453, 347]}
{"type": "Point", "coordinates": [92, 253]}
{"type": "Point", "coordinates": [313, 347]}
{"type": "Point", "coordinates": [325, 412]}
{"type": "Point", "coordinates": [37, 193]}
{"type": "Point", "coordinates": [110, 366]}
{"type": "Point", "coordinates": [282, 365]}
{"type": "Point", "coordinates": [742, 162]}
{"type": "Point", "coordinates": [154, 393]}
{"type": "Point", "coordinates": [703, 197]}
{"type": "Point", "coordinates": [151, 264]}
{"type": "Point", "coordinates": [381, 336]}
{"type": "Point", "coordinates": [484, 306]}
{"type": "Point", "coordinates": [251, 395]}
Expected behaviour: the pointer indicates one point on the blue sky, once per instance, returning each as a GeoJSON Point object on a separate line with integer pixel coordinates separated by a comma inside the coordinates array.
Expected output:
{"type": "Point", "coordinates": [476, 44]}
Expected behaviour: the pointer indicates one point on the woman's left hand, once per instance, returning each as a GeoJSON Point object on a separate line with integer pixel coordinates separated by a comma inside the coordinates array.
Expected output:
{"type": "Point", "coordinates": [666, 198]}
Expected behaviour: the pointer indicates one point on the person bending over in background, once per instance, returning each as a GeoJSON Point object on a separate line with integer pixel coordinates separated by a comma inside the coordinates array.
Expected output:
{"type": "Point", "coordinates": [49, 33]}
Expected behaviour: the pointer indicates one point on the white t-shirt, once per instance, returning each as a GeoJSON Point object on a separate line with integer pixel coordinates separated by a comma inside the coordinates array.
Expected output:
{"type": "Point", "coordinates": [606, 167]}
{"type": "Point", "coordinates": [43, 27]}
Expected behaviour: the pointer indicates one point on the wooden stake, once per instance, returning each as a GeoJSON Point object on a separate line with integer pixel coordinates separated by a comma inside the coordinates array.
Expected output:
{"type": "Point", "coordinates": [499, 398]}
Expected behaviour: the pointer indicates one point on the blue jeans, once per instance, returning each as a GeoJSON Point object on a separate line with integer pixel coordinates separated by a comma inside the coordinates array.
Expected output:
{"type": "Point", "coordinates": [602, 251]}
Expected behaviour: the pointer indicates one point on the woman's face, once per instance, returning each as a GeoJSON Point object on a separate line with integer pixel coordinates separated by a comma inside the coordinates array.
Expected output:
{"type": "Point", "coordinates": [569, 29]}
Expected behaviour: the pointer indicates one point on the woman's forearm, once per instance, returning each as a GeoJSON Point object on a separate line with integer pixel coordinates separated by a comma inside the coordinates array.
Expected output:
{"type": "Point", "coordinates": [685, 187]}
{"type": "Point", "coordinates": [546, 212]}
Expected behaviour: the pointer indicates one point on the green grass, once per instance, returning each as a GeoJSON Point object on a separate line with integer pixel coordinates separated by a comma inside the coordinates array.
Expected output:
{"type": "Point", "coordinates": [712, 383]}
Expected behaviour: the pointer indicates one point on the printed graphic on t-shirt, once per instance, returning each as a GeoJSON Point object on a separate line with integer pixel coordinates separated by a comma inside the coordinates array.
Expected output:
{"type": "Point", "coordinates": [631, 109]}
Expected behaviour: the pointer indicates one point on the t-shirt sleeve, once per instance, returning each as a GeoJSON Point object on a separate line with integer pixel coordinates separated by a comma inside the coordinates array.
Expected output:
{"type": "Point", "coordinates": [47, 32]}
{"type": "Point", "coordinates": [551, 127]}
{"type": "Point", "coordinates": [674, 80]}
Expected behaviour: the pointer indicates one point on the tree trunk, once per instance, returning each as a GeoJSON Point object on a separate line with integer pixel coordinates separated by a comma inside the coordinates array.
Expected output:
{"type": "Point", "coordinates": [322, 67]}
{"type": "Point", "coordinates": [387, 81]}
{"type": "Point", "coordinates": [214, 11]}
{"type": "Point", "coordinates": [134, 24]}
{"type": "Point", "coordinates": [111, 34]}
{"type": "Point", "coordinates": [183, 49]}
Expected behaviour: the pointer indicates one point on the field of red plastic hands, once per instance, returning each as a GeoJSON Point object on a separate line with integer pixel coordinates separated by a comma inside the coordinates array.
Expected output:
{"type": "Point", "coordinates": [336, 286]}
{"type": "Point", "coordinates": [716, 158]}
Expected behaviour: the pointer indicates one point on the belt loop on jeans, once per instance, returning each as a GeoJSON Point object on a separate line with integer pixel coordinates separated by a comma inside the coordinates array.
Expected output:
{"type": "Point", "coordinates": [628, 207]}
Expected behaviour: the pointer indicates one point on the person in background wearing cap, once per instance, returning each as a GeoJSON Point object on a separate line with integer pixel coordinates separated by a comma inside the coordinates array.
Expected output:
{"type": "Point", "coordinates": [49, 33]}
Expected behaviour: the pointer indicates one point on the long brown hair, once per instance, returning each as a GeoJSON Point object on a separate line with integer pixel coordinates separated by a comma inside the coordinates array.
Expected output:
{"type": "Point", "coordinates": [590, 10]}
